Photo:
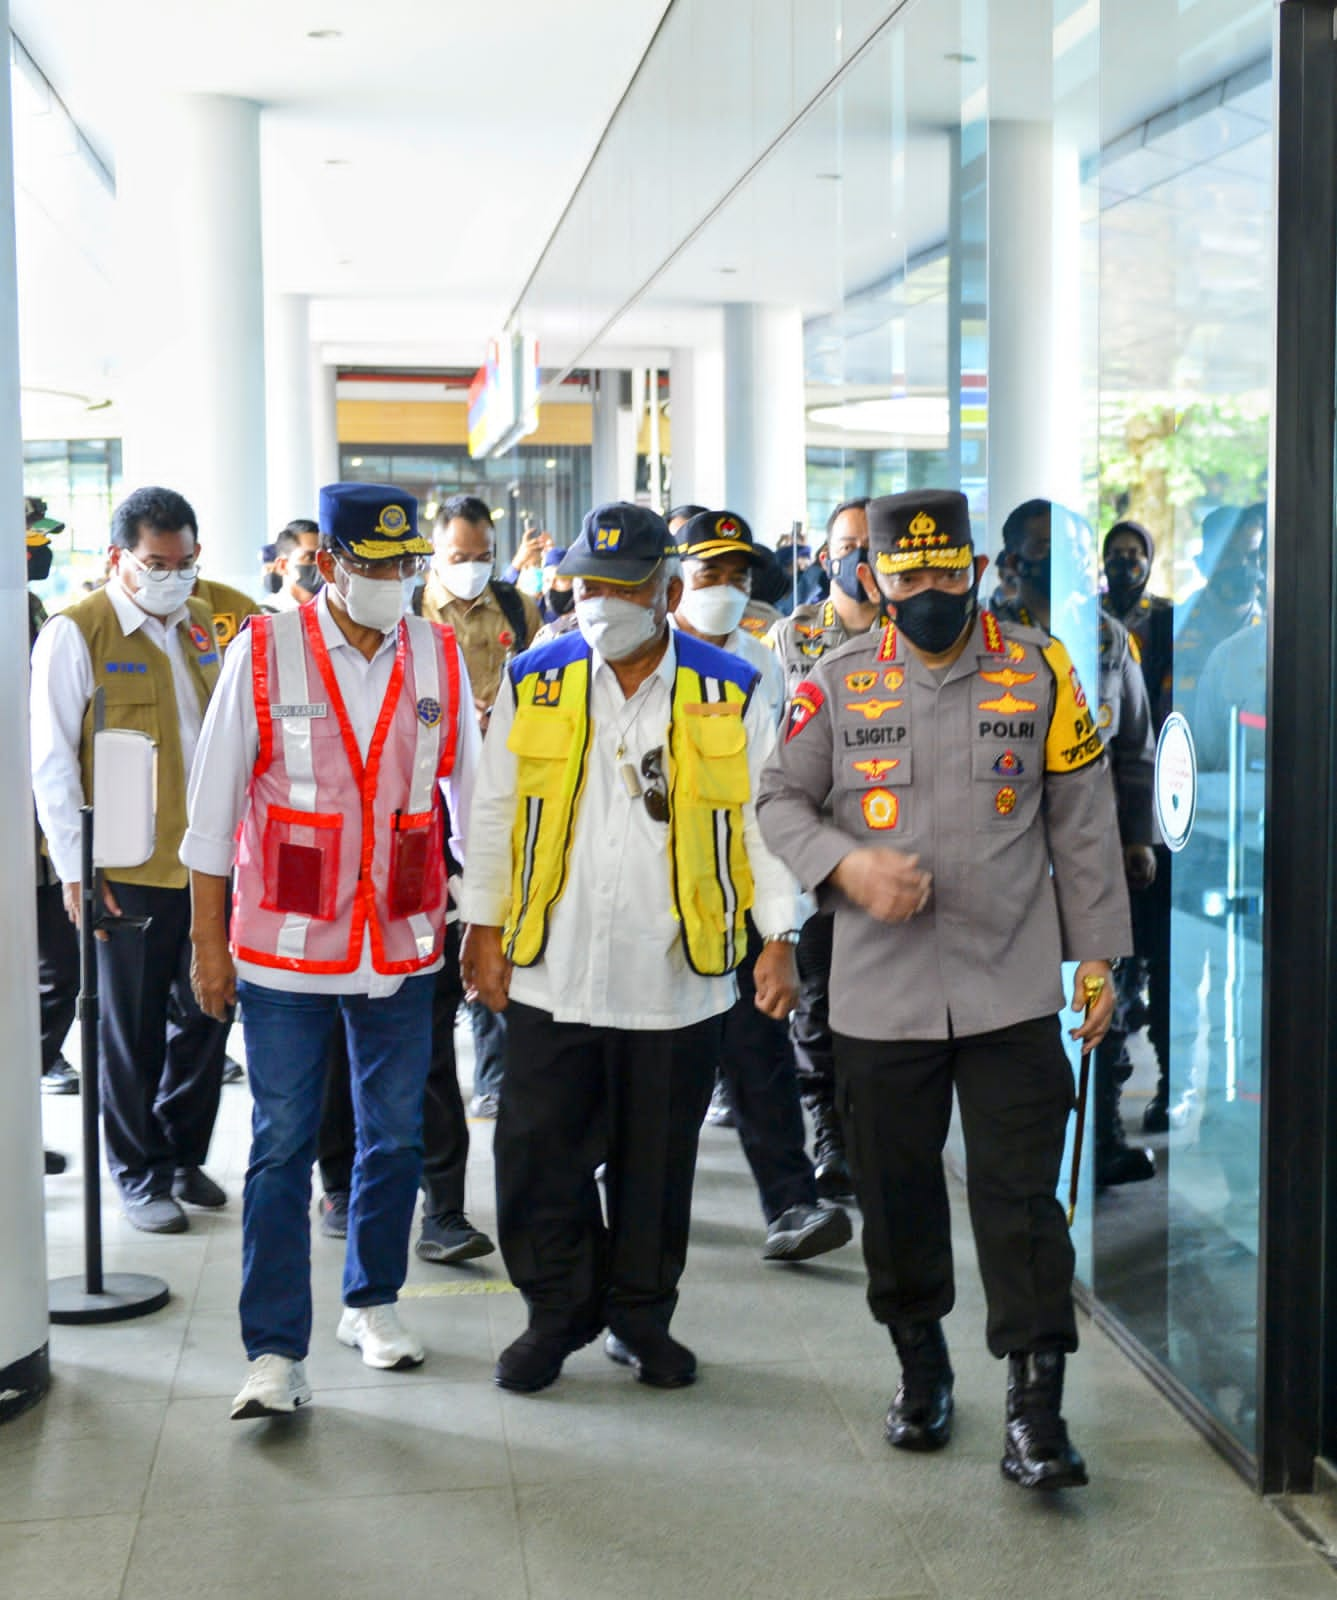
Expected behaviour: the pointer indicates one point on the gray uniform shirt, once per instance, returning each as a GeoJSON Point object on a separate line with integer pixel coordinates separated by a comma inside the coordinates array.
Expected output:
{"type": "Point", "coordinates": [993, 773]}
{"type": "Point", "coordinates": [802, 639]}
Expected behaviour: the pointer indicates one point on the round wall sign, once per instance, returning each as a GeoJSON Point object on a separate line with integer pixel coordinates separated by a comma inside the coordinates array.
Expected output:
{"type": "Point", "coordinates": [1176, 783]}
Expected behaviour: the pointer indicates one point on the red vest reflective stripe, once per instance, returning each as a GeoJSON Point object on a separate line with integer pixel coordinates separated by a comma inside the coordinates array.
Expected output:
{"type": "Point", "coordinates": [335, 848]}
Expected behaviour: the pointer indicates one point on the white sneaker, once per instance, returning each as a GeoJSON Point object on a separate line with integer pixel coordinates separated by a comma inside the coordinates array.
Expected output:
{"type": "Point", "coordinates": [382, 1338]}
{"type": "Point", "coordinates": [274, 1387]}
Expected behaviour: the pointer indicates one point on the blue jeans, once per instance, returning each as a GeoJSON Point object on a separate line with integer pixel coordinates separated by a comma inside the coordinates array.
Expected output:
{"type": "Point", "coordinates": [287, 1051]}
{"type": "Point", "coordinates": [489, 1031]}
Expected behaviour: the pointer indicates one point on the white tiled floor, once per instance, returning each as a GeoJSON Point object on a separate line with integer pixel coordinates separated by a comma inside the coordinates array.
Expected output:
{"type": "Point", "coordinates": [769, 1480]}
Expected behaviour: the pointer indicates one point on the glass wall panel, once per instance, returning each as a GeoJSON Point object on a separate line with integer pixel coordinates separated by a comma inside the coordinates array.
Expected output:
{"type": "Point", "coordinates": [1030, 246]}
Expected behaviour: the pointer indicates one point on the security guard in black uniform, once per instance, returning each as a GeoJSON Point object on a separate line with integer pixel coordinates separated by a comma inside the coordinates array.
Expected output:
{"type": "Point", "coordinates": [801, 640]}
{"type": "Point", "coordinates": [945, 782]}
{"type": "Point", "coordinates": [1125, 722]}
{"type": "Point", "coordinates": [1130, 555]}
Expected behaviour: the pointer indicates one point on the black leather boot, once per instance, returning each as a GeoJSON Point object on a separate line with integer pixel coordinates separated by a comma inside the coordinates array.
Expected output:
{"type": "Point", "coordinates": [1038, 1453]}
{"type": "Point", "coordinates": [829, 1165]}
{"type": "Point", "coordinates": [920, 1417]}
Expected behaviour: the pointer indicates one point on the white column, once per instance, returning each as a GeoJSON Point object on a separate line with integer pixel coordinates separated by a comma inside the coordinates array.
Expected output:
{"type": "Point", "coordinates": [765, 463]}
{"type": "Point", "coordinates": [290, 440]}
{"type": "Point", "coordinates": [696, 408]}
{"type": "Point", "coordinates": [1034, 289]}
{"type": "Point", "coordinates": [24, 1367]}
{"type": "Point", "coordinates": [193, 358]}
{"type": "Point", "coordinates": [324, 425]}
{"type": "Point", "coordinates": [613, 454]}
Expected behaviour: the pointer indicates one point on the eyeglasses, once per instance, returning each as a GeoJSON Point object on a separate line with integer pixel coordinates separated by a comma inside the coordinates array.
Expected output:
{"type": "Point", "coordinates": [401, 566]}
{"type": "Point", "coordinates": [188, 569]}
{"type": "Point", "coordinates": [655, 794]}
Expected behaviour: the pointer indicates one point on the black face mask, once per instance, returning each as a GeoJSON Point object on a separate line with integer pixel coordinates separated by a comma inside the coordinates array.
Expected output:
{"type": "Point", "coordinates": [1236, 587]}
{"type": "Point", "coordinates": [845, 574]}
{"type": "Point", "coordinates": [273, 582]}
{"type": "Point", "coordinates": [560, 601]}
{"type": "Point", "coordinates": [1127, 578]}
{"type": "Point", "coordinates": [307, 574]}
{"type": "Point", "coordinates": [39, 563]}
{"type": "Point", "coordinates": [934, 620]}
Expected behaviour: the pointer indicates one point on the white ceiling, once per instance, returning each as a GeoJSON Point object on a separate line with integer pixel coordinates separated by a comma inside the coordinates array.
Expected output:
{"type": "Point", "coordinates": [471, 123]}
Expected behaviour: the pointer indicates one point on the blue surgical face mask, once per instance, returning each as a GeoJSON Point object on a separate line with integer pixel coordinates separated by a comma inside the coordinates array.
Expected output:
{"type": "Point", "coordinates": [845, 573]}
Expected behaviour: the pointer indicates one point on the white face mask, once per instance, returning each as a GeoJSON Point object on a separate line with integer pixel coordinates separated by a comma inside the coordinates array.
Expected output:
{"type": "Point", "coordinates": [615, 628]}
{"type": "Point", "coordinates": [715, 612]}
{"type": "Point", "coordinates": [160, 595]}
{"type": "Point", "coordinates": [376, 602]}
{"type": "Point", "coordinates": [466, 580]}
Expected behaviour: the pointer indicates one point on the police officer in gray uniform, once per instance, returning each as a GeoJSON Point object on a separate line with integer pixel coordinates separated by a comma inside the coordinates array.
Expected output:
{"type": "Point", "coordinates": [944, 780]}
{"type": "Point", "coordinates": [801, 640]}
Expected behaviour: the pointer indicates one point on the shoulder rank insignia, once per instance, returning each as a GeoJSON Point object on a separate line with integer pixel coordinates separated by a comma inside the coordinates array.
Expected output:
{"type": "Point", "coordinates": [1135, 648]}
{"type": "Point", "coordinates": [887, 649]}
{"type": "Point", "coordinates": [806, 702]}
{"type": "Point", "coordinates": [872, 771]}
{"type": "Point", "coordinates": [1008, 704]}
{"type": "Point", "coordinates": [873, 709]}
{"type": "Point", "coordinates": [881, 809]}
{"type": "Point", "coordinates": [993, 634]}
{"type": "Point", "coordinates": [1016, 651]}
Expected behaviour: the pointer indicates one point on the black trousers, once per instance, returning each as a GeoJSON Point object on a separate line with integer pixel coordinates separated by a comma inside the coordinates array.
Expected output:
{"type": "Point", "coordinates": [1015, 1090]}
{"type": "Point", "coordinates": [576, 1096]}
{"type": "Point", "coordinates": [1151, 943]}
{"type": "Point", "coordinates": [162, 1058]}
{"type": "Point", "coordinates": [757, 1065]}
{"type": "Point", "coordinates": [810, 1026]}
{"type": "Point", "coordinates": [57, 970]}
{"type": "Point", "coordinates": [445, 1133]}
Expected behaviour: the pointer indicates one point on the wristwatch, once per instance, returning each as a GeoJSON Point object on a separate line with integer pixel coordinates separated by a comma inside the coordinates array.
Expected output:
{"type": "Point", "coordinates": [791, 936]}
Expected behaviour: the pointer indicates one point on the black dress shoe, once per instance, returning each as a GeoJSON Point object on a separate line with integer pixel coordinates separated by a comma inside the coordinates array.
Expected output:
{"type": "Point", "coordinates": [830, 1168]}
{"type": "Point", "coordinates": [654, 1356]}
{"type": "Point", "coordinates": [55, 1163]}
{"type": "Point", "coordinates": [1037, 1452]}
{"type": "Point", "coordinates": [1124, 1163]}
{"type": "Point", "coordinates": [920, 1416]}
{"type": "Point", "coordinates": [1156, 1118]}
{"type": "Point", "coordinates": [534, 1361]}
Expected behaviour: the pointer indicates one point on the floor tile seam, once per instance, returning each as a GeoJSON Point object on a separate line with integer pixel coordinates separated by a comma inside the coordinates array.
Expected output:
{"type": "Point", "coordinates": [337, 1497]}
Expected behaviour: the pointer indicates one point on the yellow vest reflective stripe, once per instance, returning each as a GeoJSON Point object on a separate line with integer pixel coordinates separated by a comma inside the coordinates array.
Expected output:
{"type": "Point", "coordinates": [710, 878]}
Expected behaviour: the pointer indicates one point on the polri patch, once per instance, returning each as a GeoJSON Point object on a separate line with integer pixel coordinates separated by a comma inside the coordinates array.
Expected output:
{"type": "Point", "coordinates": [1009, 765]}
{"type": "Point", "coordinates": [881, 809]}
{"type": "Point", "coordinates": [807, 701]}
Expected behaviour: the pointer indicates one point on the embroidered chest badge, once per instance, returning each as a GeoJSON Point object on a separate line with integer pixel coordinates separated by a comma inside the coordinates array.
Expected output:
{"type": "Point", "coordinates": [881, 809]}
{"type": "Point", "coordinates": [429, 711]}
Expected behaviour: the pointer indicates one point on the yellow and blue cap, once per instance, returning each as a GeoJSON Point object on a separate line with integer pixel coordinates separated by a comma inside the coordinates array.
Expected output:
{"type": "Point", "coordinates": [619, 543]}
{"type": "Point", "coordinates": [372, 521]}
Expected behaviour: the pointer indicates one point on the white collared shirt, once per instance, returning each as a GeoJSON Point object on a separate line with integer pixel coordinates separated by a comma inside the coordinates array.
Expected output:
{"type": "Point", "coordinates": [771, 689]}
{"type": "Point", "coordinates": [62, 686]}
{"type": "Point", "coordinates": [614, 956]}
{"type": "Point", "coordinates": [221, 778]}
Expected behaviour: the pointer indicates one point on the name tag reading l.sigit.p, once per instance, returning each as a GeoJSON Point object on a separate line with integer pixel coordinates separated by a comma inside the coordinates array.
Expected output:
{"type": "Point", "coordinates": [312, 709]}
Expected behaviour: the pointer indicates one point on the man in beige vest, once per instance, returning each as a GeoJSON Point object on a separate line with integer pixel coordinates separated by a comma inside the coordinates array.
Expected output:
{"type": "Point", "coordinates": [153, 651]}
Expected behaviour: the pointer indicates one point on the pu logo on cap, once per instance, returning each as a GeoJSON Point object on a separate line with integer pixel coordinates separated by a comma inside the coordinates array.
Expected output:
{"type": "Point", "coordinates": [607, 538]}
{"type": "Point", "coordinates": [393, 521]}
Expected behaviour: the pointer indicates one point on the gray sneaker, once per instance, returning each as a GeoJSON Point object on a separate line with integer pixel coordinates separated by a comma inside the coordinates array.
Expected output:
{"type": "Point", "coordinates": [155, 1213]}
{"type": "Point", "coordinates": [806, 1231]}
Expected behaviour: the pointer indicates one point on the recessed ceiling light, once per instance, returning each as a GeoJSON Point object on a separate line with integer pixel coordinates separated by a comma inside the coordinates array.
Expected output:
{"type": "Point", "coordinates": [355, 461]}
{"type": "Point", "coordinates": [550, 465]}
{"type": "Point", "coordinates": [345, 261]}
{"type": "Point", "coordinates": [337, 161]}
{"type": "Point", "coordinates": [727, 270]}
{"type": "Point", "coordinates": [324, 33]}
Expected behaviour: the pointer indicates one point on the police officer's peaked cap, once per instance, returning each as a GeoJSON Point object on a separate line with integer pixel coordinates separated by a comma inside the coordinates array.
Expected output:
{"type": "Point", "coordinates": [372, 521]}
{"type": "Point", "coordinates": [718, 533]}
{"type": "Point", "coordinates": [930, 528]}
{"type": "Point", "coordinates": [619, 543]}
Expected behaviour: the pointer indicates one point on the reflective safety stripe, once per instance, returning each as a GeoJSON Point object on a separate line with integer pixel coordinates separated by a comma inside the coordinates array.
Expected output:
{"type": "Point", "coordinates": [427, 752]}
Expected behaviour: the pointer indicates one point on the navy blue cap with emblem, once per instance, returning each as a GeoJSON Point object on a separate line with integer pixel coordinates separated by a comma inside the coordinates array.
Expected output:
{"type": "Point", "coordinates": [719, 533]}
{"type": "Point", "coordinates": [619, 543]}
{"type": "Point", "coordinates": [372, 521]}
